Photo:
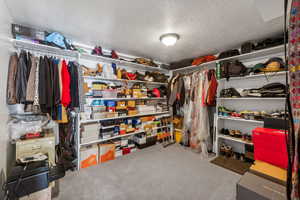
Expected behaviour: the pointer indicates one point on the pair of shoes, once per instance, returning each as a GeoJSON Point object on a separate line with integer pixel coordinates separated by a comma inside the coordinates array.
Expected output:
{"type": "Point", "coordinates": [226, 150]}
{"type": "Point", "coordinates": [224, 131]}
{"type": "Point", "coordinates": [247, 138]}
{"type": "Point", "coordinates": [235, 133]}
{"type": "Point", "coordinates": [224, 111]}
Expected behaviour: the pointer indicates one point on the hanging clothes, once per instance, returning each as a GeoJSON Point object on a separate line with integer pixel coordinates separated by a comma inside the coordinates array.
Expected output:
{"type": "Point", "coordinates": [74, 90]}
{"type": "Point", "coordinates": [21, 78]}
{"type": "Point", "coordinates": [200, 125]}
{"type": "Point", "coordinates": [42, 83]}
{"type": "Point", "coordinates": [11, 97]}
{"type": "Point", "coordinates": [31, 84]}
{"type": "Point", "coordinates": [55, 89]}
{"type": "Point", "coordinates": [210, 99]}
{"type": "Point", "coordinates": [66, 80]}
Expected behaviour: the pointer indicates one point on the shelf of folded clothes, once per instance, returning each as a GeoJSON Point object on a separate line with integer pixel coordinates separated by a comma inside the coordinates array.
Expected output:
{"type": "Point", "coordinates": [267, 75]}
{"type": "Point", "coordinates": [270, 90]}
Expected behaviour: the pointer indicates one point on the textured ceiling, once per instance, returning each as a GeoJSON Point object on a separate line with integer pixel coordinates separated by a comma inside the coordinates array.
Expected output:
{"type": "Point", "coordinates": [134, 26]}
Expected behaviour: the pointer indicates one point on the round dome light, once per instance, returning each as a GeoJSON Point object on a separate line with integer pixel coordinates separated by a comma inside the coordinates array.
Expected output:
{"type": "Point", "coordinates": [169, 39]}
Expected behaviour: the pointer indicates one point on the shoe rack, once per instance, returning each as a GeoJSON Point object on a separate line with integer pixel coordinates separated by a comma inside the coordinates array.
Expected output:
{"type": "Point", "coordinates": [92, 60]}
{"type": "Point", "coordinates": [245, 126]}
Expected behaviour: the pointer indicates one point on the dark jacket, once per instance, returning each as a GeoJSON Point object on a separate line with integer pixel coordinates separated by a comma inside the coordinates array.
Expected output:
{"type": "Point", "coordinates": [176, 90]}
{"type": "Point", "coordinates": [42, 83]}
{"type": "Point", "coordinates": [21, 78]}
{"type": "Point", "coordinates": [11, 79]}
{"type": "Point", "coordinates": [73, 69]}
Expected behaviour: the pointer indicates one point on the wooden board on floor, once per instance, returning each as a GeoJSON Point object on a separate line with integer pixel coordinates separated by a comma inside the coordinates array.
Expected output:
{"type": "Point", "coordinates": [234, 165]}
{"type": "Point", "coordinates": [268, 171]}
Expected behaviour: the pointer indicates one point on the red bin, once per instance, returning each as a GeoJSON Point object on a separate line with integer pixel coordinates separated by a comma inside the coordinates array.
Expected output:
{"type": "Point", "coordinates": [270, 146]}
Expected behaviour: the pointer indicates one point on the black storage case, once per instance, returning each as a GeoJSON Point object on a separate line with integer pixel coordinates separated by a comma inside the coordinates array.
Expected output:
{"type": "Point", "coordinates": [26, 180]}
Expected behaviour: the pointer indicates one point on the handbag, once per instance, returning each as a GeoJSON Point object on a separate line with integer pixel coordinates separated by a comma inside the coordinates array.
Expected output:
{"type": "Point", "coordinates": [232, 68]}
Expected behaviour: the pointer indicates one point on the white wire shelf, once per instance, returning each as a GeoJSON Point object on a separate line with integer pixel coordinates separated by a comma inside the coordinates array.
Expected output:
{"type": "Point", "coordinates": [31, 46]}
{"type": "Point", "coordinates": [120, 136]}
{"type": "Point", "coordinates": [211, 65]}
{"type": "Point", "coordinates": [122, 62]}
{"type": "Point", "coordinates": [111, 138]}
{"type": "Point", "coordinates": [123, 80]}
{"type": "Point", "coordinates": [256, 54]}
{"type": "Point", "coordinates": [247, 56]}
{"type": "Point", "coordinates": [264, 75]}
{"type": "Point", "coordinates": [123, 117]}
{"type": "Point", "coordinates": [252, 98]}
{"type": "Point", "coordinates": [234, 139]}
{"type": "Point", "coordinates": [240, 119]}
{"type": "Point", "coordinates": [99, 98]}
{"type": "Point", "coordinates": [28, 45]}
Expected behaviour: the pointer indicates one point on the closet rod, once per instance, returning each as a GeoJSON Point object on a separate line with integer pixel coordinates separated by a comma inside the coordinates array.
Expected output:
{"type": "Point", "coordinates": [191, 71]}
{"type": "Point", "coordinates": [44, 49]}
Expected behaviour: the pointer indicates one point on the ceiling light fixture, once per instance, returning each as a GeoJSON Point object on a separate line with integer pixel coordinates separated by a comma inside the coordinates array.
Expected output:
{"type": "Point", "coordinates": [169, 39]}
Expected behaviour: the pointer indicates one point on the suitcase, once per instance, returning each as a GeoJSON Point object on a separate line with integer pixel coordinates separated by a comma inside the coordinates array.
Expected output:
{"type": "Point", "coordinates": [270, 146]}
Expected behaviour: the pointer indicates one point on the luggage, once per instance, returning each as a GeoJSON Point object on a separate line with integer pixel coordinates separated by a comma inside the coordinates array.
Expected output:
{"type": "Point", "coordinates": [232, 69]}
{"type": "Point", "coordinates": [247, 47]}
{"type": "Point", "coordinates": [181, 63]}
{"type": "Point", "coordinates": [230, 53]}
{"type": "Point", "coordinates": [270, 146]}
{"type": "Point", "coordinates": [270, 42]}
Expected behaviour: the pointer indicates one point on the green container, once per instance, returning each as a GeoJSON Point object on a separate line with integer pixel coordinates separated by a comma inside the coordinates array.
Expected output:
{"type": "Point", "coordinates": [219, 72]}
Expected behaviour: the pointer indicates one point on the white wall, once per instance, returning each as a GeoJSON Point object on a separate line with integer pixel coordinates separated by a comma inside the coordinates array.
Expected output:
{"type": "Point", "coordinates": [5, 46]}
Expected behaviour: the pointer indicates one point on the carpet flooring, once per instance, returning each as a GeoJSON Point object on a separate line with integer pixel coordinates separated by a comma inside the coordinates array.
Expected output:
{"type": "Point", "coordinates": [172, 173]}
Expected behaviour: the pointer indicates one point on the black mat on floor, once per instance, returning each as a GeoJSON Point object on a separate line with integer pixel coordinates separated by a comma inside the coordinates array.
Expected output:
{"type": "Point", "coordinates": [237, 166]}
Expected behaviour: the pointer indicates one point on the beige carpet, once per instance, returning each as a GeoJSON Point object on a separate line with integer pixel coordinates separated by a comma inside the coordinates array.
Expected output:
{"type": "Point", "coordinates": [171, 173]}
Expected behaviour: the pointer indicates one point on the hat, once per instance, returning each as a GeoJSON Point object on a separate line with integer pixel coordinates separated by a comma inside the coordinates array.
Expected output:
{"type": "Point", "coordinates": [273, 65]}
{"type": "Point", "coordinates": [258, 67]}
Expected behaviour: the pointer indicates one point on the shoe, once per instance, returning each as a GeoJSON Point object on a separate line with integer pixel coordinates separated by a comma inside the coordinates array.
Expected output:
{"type": "Point", "coordinates": [238, 134]}
{"type": "Point", "coordinates": [228, 151]}
{"type": "Point", "coordinates": [222, 149]}
{"type": "Point", "coordinates": [232, 133]}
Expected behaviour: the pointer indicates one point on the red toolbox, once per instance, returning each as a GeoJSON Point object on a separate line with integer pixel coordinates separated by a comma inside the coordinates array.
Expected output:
{"type": "Point", "coordinates": [270, 146]}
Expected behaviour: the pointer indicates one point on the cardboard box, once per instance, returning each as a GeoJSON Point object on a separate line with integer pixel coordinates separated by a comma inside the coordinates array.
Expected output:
{"type": "Point", "coordinates": [252, 187]}
{"type": "Point", "coordinates": [106, 152]}
{"type": "Point", "coordinates": [90, 131]}
{"type": "Point", "coordinates": [88, 156]}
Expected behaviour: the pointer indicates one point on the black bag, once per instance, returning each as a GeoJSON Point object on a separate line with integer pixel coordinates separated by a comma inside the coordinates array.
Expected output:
{"type": "Point", "coordinates": [232, 68]}
{"type": "Point", "coordinates": [270, 42]}
{"type": "Point", "coordinates": [229, 92]}
{"type": "Point", "coordinates": [247, 47]}
{"type": "Point", "coordinates": [181, 63]}
{"type": "Point", "coordinates": [230, 53]}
